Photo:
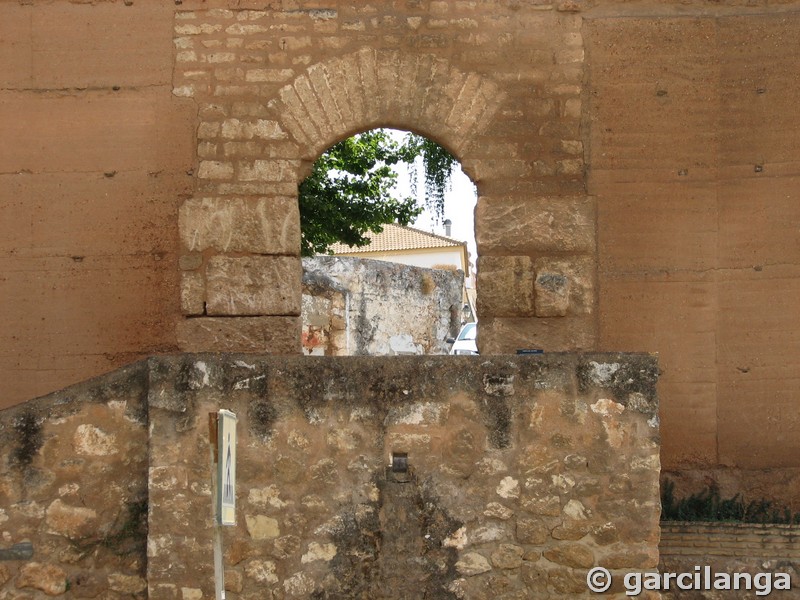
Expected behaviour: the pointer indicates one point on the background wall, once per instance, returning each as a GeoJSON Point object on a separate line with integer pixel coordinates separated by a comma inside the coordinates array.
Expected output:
{"type": "Point", "coordinates": [363, 307]}
{"type": "Point", "coordinates": [694, 163]}
{"type": "Point", "coordinates": [683, 114]}
{"type": "Point", "coordinates": [96, 155]}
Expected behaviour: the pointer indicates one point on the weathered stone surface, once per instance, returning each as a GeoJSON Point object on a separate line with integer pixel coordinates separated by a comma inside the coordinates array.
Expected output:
{"type": "Point", "coordinates": [552, 294]}
{"type": "Point", "coordinates": [570, 530]}
{"type": "Point", "coordinates": [72, 521]}
{"type": "Point", "coordinates": [262, 571]}
{"type": "Point", "coordinates": [258, 225]}
{"type": "Point", "coordinates": [507, 335]}
{"type": "Point", "coordinates": [273, 335]}
{"type": "Point", "coordinates": [498, 511]}
{"type": "Point", "coordinates": [256, 285]}
{"type": "Point", "coordinates": [126, 584]}
{"type": "Point", "coordinates": [214, 169]}
{"type": "Point", "coordinates": [473, 563]}
{"type": "Point", "coordinates": [352, 306]}
{"type": "Point", "coordinates": [531, 531]}
{"type": "Point", "coordinates": [191, 593]}
{"type": "Point", "coordinates": [299, 585]}
{"type": "Point", "coordinates": [193, 293]}
{"type": "Point", "coordinates": [507, 556]}
{"type": "Point", "coordinates": [93, 441]}
{"type": "Point", "coordinates": [234, 581]}
{"type": "Point", "coordinates": [571, 555]}
{"type": "Point", "coordinates": [48, 578]}
{"type": "Point", "coordinates": [528, 226]}
{"type": "Point", "coordinates": [547, 506]}
{"type": "Point", "coordinates": [567, 581]}
{"type": "Point", "coordinates": [508, 488]}
{"type": "Point", "coordinates": [88, 584]}
{"type": "Point", "coordinates": [319, 552]}
{"type": "Point", "coordinates": [575, 297]}
{"type": "Point", "coordinates": [633, 558]}
{"type": "Point", "coordinates": [506, 286]}
{"type": "Point", "coordinates": [261, 527]}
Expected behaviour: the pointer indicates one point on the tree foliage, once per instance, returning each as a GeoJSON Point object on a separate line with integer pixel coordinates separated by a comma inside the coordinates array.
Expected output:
{"type": "Point", "coordinates": [350, 189]}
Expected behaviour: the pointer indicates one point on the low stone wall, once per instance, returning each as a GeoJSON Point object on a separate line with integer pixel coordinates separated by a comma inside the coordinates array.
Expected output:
{"type": "Point", "coordinates": [731, 548]}
{"type": "Point", "coordinates": [524, 472]}
{"type": "Point", "coordinates": [355, 306]}
{"type": "Point", "coordinates": [73, 491]}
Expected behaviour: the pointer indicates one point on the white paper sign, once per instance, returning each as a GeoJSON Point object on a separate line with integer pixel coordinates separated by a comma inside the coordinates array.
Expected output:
{"type": "Point", "coordinates": [226, 469]}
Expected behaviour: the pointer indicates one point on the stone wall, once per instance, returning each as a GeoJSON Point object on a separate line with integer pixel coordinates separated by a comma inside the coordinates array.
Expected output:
{"type": "Point", "coordinates": [353, 306]}
{"type": "Point", "coordinates": [523, 473]}
{"type": "Point", "coordinates": [73, 491]}
{"type": "Point", "coordinates": [731, 548]}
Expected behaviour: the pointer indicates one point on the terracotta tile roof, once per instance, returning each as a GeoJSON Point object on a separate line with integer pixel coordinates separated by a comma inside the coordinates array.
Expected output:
{"type": "Point", "coordinates": [398, 237]}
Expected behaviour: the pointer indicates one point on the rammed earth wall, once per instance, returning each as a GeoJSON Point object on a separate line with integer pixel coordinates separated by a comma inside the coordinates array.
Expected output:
{"type": "Point", "coordinates": [524, 472]}
{"type": "Point", "coordinates": [636, 164]}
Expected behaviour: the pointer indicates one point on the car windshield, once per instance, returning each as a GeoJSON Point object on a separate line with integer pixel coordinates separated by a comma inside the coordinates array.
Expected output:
{"type": "Point", "coordinates": [468, 332]}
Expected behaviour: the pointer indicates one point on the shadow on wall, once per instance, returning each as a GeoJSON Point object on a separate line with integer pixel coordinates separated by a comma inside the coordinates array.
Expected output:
{"type": "Point", "coordinates": [353, 306]}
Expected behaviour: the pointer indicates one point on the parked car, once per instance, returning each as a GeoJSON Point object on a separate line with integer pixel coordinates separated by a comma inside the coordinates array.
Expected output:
{"type": "Point", "coordinates": [464, 344]}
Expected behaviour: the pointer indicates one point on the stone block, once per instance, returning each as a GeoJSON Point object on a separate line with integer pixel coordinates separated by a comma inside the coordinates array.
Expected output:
{"type": "Point", "coordinates": [255, 285]}
{"type": "Point", "coordinates": [473, 563]}
{"type": "Point", "coordinates": [507, 335]}
{"type": "Point", "coordinates": [271, 335]}
{"type": "Point", "coordinates": [268, 170]}
{"type": "Point", "coordinates": [93, 441]}
{"type": "Point", "coordinates": [505, 286]}
{"type": "Point", "coordinates": [214, 169]}
{"type": "Point", "coordinates": [258, 225]}
{"type": "Point", "coordinates": [193, 287]}
{"type": "Point", "coordinates": [552, 294]}
{"type": "Point", "coordinates": [261, 527]}
{"type": "Point", "coordinates": [579, 273]}
{"type": "Point", "coordinates": [577, 556]}
{"type": "Point", "coordinates": [126, 584]}
{"type": "Point", "coordinates": [531, 531]}
{"type": "Point", "coordinates": [523, 226]}
{"type": "Point", "coordinates": [261, 571]}
{"type": "Point", "coordinates": [50, 579]}
{"type": "Point", "coordinates": [508, 556]}
{"type": "Point", "coordinates": [71, 521]}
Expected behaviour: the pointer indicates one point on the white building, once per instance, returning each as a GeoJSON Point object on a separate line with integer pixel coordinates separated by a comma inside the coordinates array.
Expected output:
{"type": "Point", "coordinates": [409, 246]}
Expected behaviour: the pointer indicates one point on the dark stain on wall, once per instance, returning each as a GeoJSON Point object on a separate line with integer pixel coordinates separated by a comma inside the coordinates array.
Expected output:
{"type": "Point", "coordinates": [28, 432]}
{"type": "Point", "coordinates": [394, 547]}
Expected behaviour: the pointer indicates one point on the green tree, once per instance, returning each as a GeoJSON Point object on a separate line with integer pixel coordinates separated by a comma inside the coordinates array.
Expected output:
{"type": "Point", "coordinates": [349, 191]}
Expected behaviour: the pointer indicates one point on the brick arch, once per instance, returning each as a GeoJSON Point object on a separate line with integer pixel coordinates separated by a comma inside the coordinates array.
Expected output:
{"type": "Point", "coordinates": [378, 88]}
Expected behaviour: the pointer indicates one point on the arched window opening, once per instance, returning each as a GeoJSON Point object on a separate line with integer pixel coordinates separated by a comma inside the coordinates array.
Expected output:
{"type": "Point", "coordinates": [387, 239]}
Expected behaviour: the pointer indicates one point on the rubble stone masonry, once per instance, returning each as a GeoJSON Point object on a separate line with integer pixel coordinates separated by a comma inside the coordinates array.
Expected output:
{"type": "Point", "coordinates": [523, 473]}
